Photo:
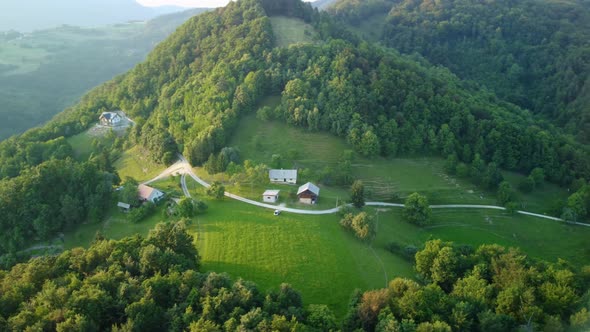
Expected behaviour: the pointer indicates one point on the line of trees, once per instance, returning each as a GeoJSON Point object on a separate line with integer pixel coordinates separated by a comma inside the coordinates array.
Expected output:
{"type": "Point", "coordinates": [488, 289]}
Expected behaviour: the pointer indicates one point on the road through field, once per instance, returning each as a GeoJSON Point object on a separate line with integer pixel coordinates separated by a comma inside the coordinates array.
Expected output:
{"type": "Point", "coordinates": [183, 167]}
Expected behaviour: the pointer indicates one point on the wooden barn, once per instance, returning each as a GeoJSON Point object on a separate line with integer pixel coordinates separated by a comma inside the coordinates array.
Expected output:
{"type": "Point", "coordinates": [308, 193]}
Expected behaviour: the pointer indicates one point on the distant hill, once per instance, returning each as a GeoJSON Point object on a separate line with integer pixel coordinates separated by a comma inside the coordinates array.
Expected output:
{"type": "Point", "coordinates": [221, 64]}
{"type": "Point", "coordinates": [29, 93]}
{"type": "Point", "coordinates": [532, 53]}
{"type": "Point", "coordinates": [29, 15]}
{"type": "Point", "coordinates": [322, 4]}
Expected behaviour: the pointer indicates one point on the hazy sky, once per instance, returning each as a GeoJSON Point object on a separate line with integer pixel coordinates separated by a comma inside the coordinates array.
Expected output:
{"type": "Point", "coordinates": [186, 3]}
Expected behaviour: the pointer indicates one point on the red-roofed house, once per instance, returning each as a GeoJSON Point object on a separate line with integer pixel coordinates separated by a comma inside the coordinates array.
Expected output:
{"type": "Point", "coordinates": [147, 193]}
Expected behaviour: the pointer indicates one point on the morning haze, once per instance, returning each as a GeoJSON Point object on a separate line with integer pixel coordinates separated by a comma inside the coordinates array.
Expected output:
{"type": "Point", "coordinates": [32, 15]}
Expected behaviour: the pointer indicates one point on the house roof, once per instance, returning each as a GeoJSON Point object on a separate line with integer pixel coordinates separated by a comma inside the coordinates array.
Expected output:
{"type": "Point", "coordinates": [309, 186]}
{"type": "Point", "coordinates": [123, 205]}
{"type": "Point", "coordinates": [271, 193]}
{"type": "Point", "coordinates": [282, 173]}
{"type": "Point", "coordinates": [108, 115]}
{"type": "Point", "coordinates": [146, 191]}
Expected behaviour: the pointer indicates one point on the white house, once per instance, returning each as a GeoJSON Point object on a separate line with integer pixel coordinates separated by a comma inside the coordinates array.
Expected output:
{"type": "Point", "coordinates": [270, 196]}
{"type": "Point", "coordinates": [109, 119]}
{"type": "Point", "coordinates": [308, 193]}
{"type": "Point", "coordinates": [288, 176]}
{"type": "Point", "coordinates": [147, 193]}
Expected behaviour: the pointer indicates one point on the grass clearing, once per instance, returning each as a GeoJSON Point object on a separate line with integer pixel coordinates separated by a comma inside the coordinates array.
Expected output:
{"type": "Point", "coordinates": [312, 253]}
{"type": "Point", "coordinates": [259, 140]}
{"type": "Point", "coordinates": [543, 199]}
{"type": "Point", "coordinates": [82, 145]}
{"type": "Point", "coordinates": [289, 31]}
{"type": "Point", "coordinates": [540, 238]}
{"type": "Point", "coordinates": [326, 263]}
{"type": "Point", "coordinates": [136, 164]}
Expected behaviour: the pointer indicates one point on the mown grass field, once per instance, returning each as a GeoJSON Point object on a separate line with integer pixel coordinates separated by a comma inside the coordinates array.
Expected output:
{"type": "Point", "coordinates": [539, 238]}
{"type": "Point", "coordinates": [323, 261]}
{"type": "Point", "coordinates": [289, 31]}
{"type": "Point", "coordinates": [310, 252]}
{"type": "Point", "coordinates": [313, 253]}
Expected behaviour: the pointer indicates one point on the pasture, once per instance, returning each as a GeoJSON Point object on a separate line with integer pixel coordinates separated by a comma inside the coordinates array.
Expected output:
{"type": "Point", "coordinates": [386, 179]}
{"type": "Point", "coordinates": [323, 261]}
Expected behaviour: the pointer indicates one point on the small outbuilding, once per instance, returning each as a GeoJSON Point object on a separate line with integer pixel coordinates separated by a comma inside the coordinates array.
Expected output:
{"type": "Point", "coordinates": [109, 119]}
{"type": "Point", "coordinates": [270, 196]}
{"type": "Point", "coordinates": [286, 176]}
{"type": "Point", "coordinates": [308, 193]}
{"type": "Point", "coordinates": [124, 206]}
{"type": "Point", "coordinates": [147, 193]}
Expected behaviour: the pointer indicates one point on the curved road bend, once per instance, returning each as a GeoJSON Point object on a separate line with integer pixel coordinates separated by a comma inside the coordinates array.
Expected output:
{"type": "Point", "coordinates": [183, 164]}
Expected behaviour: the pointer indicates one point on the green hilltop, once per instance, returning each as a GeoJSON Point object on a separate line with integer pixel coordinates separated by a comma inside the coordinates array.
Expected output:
{"type": "Point", "coordinates": [260, 84]}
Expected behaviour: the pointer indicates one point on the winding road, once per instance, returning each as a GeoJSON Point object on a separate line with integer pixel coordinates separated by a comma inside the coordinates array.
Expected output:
{"type": "Point", "coordinates": [183, 167]}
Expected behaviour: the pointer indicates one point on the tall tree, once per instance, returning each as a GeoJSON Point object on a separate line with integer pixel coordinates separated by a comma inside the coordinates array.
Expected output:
{"type": "Point", "coordinates": [417, 210]}
{"type": "Point", "coordinates": [357, 194]}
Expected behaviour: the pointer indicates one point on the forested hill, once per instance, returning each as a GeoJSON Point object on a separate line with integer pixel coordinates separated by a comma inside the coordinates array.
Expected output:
{"type": "Point", "coordinates": [189, 94]}
{"type": "Point", "coordinates": [533, 53]}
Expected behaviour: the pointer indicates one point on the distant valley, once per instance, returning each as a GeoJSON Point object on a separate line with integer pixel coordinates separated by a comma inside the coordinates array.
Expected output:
{"type": "Point", "coordinates": [43, 72]}
{"type": "Point", "coordinates": [32, 15]}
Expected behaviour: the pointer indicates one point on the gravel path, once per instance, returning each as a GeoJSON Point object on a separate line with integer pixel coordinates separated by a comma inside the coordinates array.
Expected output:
{"type": "Point", "coordinates": [182, 166]}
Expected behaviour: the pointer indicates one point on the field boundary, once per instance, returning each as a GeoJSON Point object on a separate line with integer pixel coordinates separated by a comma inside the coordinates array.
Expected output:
{"type": "Point", "coordinates": [183, 166]}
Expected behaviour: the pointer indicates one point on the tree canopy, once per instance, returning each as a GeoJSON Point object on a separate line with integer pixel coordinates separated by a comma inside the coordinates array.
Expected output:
{"type": "Point", "coordinates": [144, 284]}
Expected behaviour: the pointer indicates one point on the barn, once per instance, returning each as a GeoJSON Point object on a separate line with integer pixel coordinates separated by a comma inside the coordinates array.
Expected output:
{"type": "Point", "coordinates": [287, 176]}
{"type": "Point", "coordinates": [270, 196]}
{"type": "Point", "coordinates": [308, 193]}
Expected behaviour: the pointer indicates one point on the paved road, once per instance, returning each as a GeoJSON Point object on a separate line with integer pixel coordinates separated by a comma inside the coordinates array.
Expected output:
{"type": "Point", "coordinates": [177, 168]}
{"type": "Point", "coordinates": [183, 166]}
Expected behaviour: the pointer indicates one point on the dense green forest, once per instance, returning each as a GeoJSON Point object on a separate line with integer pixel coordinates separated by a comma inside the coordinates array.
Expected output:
{"type": "Point", "coordinates": [189, 94]}
{"type": "Point", "coordinates": [535, 54]}
{"type": "Point", "coordinates": [153, 284]}
{"type": "Point", "coordinates": [488, 289]}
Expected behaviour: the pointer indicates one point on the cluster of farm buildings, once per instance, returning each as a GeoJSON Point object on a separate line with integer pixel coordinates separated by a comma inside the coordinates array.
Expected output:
{"type": "Point", "coordinates": [307, 193]}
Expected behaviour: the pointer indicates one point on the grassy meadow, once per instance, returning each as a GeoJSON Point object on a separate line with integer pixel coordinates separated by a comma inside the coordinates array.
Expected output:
{"type": "Point", "coordinates": [384, 178]}
{"type": "Point", "coordinates": [323, 261]}
{"type": "Point", "coordinates": [289, 31]}
{"type": "Point", "coordinates": [313, 253]}
{"type": "Point", "coordinates": [136, 164]}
